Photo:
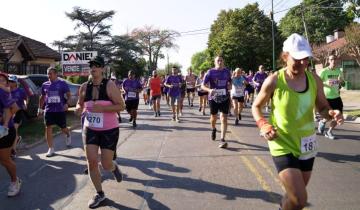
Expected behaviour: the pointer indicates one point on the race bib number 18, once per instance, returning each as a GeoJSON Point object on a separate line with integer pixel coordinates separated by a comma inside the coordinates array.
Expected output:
{"type": "Point", "coordinates": [309, 147]}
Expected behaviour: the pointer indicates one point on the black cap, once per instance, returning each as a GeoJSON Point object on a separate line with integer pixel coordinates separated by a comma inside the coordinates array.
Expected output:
{"type": "Point", "coordinates": [98, 60]}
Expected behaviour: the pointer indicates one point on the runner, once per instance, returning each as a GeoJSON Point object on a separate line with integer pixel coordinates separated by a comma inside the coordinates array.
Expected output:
{"type": "Point", "coordinates": [290, 134]}
{"type": "Point", "coordinates": [217, 83]}
{"type": "Point", "coordinates": [8, 107]}
{"type": "Point", "coordinates": [174, 82]}
{"type": "Point", "coordinates": [332, 77]}
{"type": "Point", "coordinates": [237, 93]}
{"type": "Point", "coordinates": [182, 93]}
{"type": "Point", "coordinates": [201, 93]}
{"type": "Point", "coordinates": [132, 87]}
{"type": "Point", "coordinates": [166, 91]}
{"type": "Point", "coordinates": [258, 81]}
{"type": "Point", "coordinates": [118, 84]}
{"type": "Point", "coordinates": [52, 98]}
{"type": "Point", "coordinates": [249, 90]}
{"type": "Point", "coordinates": [190, 80]}
{"type": "Point", "coordinates": [99, 101]}
{"type": "Point", "coordinates": [155, 92]}
{"type": "Point", "coordinates": [21, 100]}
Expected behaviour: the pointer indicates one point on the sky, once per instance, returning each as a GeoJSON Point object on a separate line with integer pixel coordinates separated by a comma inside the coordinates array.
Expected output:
{"type": "Point", "coordinates": [45, 20]}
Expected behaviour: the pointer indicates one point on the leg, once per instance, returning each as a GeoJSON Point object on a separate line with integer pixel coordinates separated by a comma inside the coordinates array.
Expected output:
{"type": "Point", "coordinates": [223, 118]}
{"type": "Point", "coordinates": [236, 108]}
{"type": "Point", "coordinates": [213, 119]}
{"type": "Point", "coordinates": [91, 151]}
{"type": "Point", "coordinates": [107, 156]}
{"type": "Point", "coordinates": [295, 183]}
{"type": "Point", "coordinates": [49, 135]}
{"type": "Point", "coordinates": [8, 163]}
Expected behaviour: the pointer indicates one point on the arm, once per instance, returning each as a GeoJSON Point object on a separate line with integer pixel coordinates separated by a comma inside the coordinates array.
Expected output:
{"type": "Point", "coordinates": [322, 104]}
{"type": "Point", "coordinates": [41, 104]}
{"type": "Point", "coordinates": [79, 108]}
{"type": "Point", "coordinates": [268, 88]}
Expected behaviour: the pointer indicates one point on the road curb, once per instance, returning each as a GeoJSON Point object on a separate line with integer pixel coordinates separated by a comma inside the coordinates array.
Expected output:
{"type": "Point", "coordinates": [42, 140]}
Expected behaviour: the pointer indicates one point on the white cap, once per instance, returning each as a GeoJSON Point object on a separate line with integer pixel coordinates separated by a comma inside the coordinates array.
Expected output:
{"type": "Point", "coordinates": [297, 46]}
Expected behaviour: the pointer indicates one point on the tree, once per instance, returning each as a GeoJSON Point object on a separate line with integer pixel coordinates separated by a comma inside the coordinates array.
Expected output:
{"type": "Point", "coordinates": [125, 56]}
{"type": "Point", "coordinates": [321, 53]}
{"type": "Point", "coordinates": [92, 31]}
{"type": "Point", "coordinates": [321, 19]}
{"type": "Point", "coordinates": [201, 61]}
{"type": "Point", "coordinates": [352, 37]}
{"type": "Point", "coordinates": [243, 37]}
{"type": "Point", "coordinates": [152, 41]}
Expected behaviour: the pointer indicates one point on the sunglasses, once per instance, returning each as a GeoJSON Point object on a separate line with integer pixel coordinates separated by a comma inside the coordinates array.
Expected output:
{"type": "Point", "coordinates": [96, 65]}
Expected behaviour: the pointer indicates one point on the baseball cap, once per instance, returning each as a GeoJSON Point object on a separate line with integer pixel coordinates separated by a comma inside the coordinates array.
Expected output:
{"type": "Point", "coordinates": [97, 60]}
{"type": "Point", "coordinates": [297, 46]}
{"type": "Point", "coordinates": [13, 78]}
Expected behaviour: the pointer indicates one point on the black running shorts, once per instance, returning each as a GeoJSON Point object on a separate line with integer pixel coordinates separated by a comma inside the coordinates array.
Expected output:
{"type": "Point", "coordinates": [55, 118]}
{"type": "Point", "coordinates": [222, 107]}
{"type": "Point", "coordinates": [8, 141]}
{"type": "Point", "coordinates": [132, 104]}
{"type": "Point", "coordinates": [106, 139]}
{"type": "Point", "coordinates": [336, 103]}
{"type": "Point", "coordinates": [290, 161]}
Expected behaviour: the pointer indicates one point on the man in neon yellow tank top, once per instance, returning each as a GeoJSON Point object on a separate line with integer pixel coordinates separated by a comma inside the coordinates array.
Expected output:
{"type": "Point", "coordinates": [295, 92]}
{"type": "Point", "coordinates": [332, 78]}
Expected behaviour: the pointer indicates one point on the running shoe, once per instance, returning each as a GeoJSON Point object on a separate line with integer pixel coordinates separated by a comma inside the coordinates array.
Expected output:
{"type": "Point", "coordinates": [199, 109]}
{"type": "Point", "coordinates": [239, 116]}
{"type": "Point", "coordinates": [96, 200]}
{"type": "Point", "coordinates": [321, 127]}
{"type": "Point", "coordinates": [50, 153]}
{"type": "Point", "coordinates": [68, 140]}
{"type": "Point", "coordinates": [159, 113]}
{"type": "Point", "coordinates": [134, 124]}
{"type": "Point", "coordinates": [329, 135]}
{"type": "Point", "coordinates": [192, 105]}
{"type": "Point", "coordinates": [130, 119]}
{"type": "Point", "coordinates": [155, 114]}
{"type": "Point", "coordinates": [117, 173]}
{"type": "Point", "coordinates": [213, 134]}
{"type": "Point", "coordinates": [222, 144]}
{"type": "Point", "coordinates": [204, 113]}
{"type": "Point", "coordinates": [14, 187]}
{"type": "Point", "coordinates": [177, 119]}
{"type": "Point", "coordinates": [173, 118]}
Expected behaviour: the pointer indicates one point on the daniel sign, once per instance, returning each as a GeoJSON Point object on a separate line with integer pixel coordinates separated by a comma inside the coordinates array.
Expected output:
{"type": "Point", "coordinates": [76, 63]}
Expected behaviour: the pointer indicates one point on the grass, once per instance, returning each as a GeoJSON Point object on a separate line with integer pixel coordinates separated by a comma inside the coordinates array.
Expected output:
{"type": "Point", "coordinates": [33, 130]}
{"type": "Point", "coordinates": [355, 112]}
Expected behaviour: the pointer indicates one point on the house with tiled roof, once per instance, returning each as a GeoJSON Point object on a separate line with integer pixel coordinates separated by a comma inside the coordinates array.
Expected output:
{"type": "Point", "coordinates": [22, 55]}
{"type": "Point", "coordinates": [335, 45]}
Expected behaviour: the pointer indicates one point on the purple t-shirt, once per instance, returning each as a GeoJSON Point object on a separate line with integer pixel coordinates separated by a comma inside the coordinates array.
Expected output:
{"type": "Point", "coordinates": [5, 102]}
{"type": "Point", "coordinates": [131, 87]}
{"type": "Point", "coordinates": [20, 96]}
{"type": "Point", "coordinates": [176, 81]}
{"type": "Point", "coordinates": [260, 78]}
{"type": "Point", "coordinates": [218, 80]}
{"type": "Point", "coordinates": [54, 95]}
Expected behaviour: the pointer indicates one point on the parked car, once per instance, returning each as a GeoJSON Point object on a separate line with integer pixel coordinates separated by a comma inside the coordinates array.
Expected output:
{"type": "Point", "coordinates": [32, 93]}
{"type": "Point", "coordinates": [39, 79]}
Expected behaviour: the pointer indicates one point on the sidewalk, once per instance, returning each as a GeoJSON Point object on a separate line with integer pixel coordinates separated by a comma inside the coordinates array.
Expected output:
{"type": "Point", "coordinates": [351, 101]}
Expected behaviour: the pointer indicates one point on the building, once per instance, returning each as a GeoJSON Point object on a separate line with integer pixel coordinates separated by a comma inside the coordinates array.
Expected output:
{"type": "Point", "coordinates": [23, 55]}
{"type": "Point", "coordinates": [335, 45]}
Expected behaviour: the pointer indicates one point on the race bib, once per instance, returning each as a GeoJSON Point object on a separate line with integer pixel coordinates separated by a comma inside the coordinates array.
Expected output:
{"type": "Point", "coordinates": [53, 99]}
{"type": "Point", "coordinates": [333, 82]}
{"type": "Point", "coordinates": [220, 92]}
{"type": "Point", "coordinates": [239, 91]}
{"type": "Point", "coordinates": [132, 94]}
{"type": "Point", "coordinates": [94, 120]}
{"type": "Point", "coordinates": [189, 86]}
{"type": "Point", "coordinates": [309, 147]}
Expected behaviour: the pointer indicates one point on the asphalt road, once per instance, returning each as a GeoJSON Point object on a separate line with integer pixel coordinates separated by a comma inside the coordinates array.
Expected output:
{"type": "Point", "coordinates": [169, 165]}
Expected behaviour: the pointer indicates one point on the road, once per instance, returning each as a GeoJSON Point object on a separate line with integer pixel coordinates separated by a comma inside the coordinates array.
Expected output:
{"type": "Point", "coordinates": [169, 165]}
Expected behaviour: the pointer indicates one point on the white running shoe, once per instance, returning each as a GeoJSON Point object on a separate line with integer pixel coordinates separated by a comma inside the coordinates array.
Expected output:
{"type": "Point", "coordinates": [68, 140]}
{"type": "Point", "coordinates": [14, 187]}
{"type": "Point", "coordinates": [51, 152]}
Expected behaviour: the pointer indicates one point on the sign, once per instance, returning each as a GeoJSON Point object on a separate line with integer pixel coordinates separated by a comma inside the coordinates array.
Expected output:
{"type": "Point", "coordinates": [76, 63]}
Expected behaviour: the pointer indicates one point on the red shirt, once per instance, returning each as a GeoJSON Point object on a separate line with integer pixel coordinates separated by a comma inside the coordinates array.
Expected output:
{"type": "Point", "coordinates": [155, 86]}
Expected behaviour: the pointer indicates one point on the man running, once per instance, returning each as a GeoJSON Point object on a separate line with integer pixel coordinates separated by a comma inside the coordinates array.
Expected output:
{"type": "Point", "coordinates": [19, 95]}
{"type": "Point", "coordinates": [332, 77]}
{"type": "Point", "coordinates": [132, 87]}
{"type": "Point", "coordinates": [174, 82]}
{"type": "Point", "coordinates": [155, 92]}
{"type": "Point", "coordinates": [217, 83]}
{"type": "Point", "coordinates": [295, 92]}
{"type": "Point", "coordinates": [52, 98]}
{"type": "Point", "coordinates": [237, 93]}
{"type": "Point", "coordinates": [99, 101]}
{"type": "Point", "coordinates": [190, 80]}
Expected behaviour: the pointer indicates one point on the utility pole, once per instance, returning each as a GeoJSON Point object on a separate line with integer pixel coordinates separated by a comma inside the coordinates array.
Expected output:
{"type": "Point", "coordinates": [168, 67]}
{"type": "Point", "coordinates": [273, 34]}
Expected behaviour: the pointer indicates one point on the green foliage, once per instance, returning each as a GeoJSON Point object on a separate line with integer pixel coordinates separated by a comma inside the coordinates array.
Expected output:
{"type": "Point", "coordinates": [321, 18]}
{"type": "Point", "coordinates": [243, 37]}
{"type": "Point", "coordinates": [201, 61]}
{"type": "Point", "coordinates": [77, 79]}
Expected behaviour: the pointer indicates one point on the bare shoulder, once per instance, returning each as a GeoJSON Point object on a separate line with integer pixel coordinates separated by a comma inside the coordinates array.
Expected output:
{"type": "Point", "coordinates": [271, 80]}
